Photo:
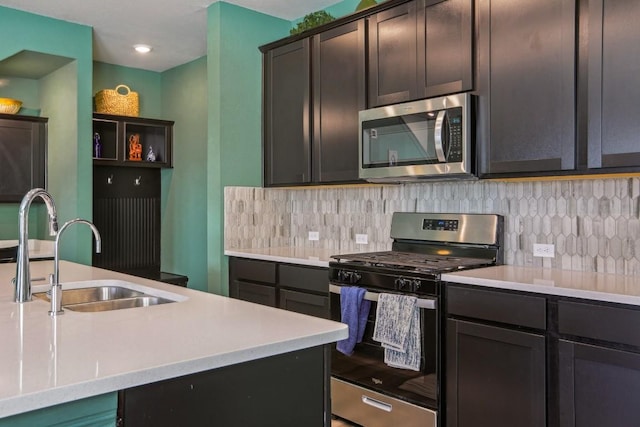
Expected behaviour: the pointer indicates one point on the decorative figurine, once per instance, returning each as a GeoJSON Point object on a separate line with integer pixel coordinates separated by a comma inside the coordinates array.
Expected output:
{"type": "Point", "coordinates": [151, 156]}
{"type": "Point", "coordinates": [135, 148]}
{"type": "Point", "coordinates": [97, 146]}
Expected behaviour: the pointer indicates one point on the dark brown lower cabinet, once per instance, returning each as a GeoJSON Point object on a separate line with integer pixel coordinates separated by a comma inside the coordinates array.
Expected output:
{"type": "Point", "coordinates": [522, 359]}
{"type": "Point", "coordinates": [303, 289]}
{"type": "Point", "coordinates": [290, 389]}
{"type": "Point", "coordinates": [495, 376]}
{"type": "Point", "coordinates": [599, 386]}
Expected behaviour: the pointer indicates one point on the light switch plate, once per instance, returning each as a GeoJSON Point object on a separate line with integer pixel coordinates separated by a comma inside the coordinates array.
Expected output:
{"type": "Point", "coordinates": [314, 235]}
{"type": "Point", "coordinates": [362, 239]}
{"type": "Point", "coordinates": [544, 250]}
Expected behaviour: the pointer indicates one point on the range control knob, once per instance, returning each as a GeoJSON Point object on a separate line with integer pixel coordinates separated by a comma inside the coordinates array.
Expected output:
{"type": "Point", "coordinates": [409, 285]}
{"type": "Point", "coordinates": [403, 284]}
{"type": "Point", "coordinates": [349, 276]}
{"type": "Point", "coordinates": [355, 277]}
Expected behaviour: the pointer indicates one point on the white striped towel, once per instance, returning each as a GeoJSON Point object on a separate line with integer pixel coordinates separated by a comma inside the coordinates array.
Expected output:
{"type": "Point", "coordinates": [398, 329]}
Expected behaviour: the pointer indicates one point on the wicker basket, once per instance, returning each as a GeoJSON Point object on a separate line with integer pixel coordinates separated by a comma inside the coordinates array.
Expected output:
{"type": "Point", "coordinates": [112, 101]}
{"type": "Point", "coordinates": [9, 105]}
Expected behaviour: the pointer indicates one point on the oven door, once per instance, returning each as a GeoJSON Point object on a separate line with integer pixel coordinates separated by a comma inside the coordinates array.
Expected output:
{"type": "Point", "coordinates": [366, 369]}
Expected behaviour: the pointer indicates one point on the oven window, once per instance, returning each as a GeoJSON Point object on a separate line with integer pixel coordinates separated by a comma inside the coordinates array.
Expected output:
{"type": "Point", "coordinates": [367, 369]}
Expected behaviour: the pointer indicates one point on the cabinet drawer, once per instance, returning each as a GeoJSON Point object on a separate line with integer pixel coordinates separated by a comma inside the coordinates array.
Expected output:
{"type": "Point", "coordinates": [614, 324]}
{"type": "Point", "coordinates": [305, 278]}
{"type": "Point", "coordinates": [257, 271]}
{"type": "Point", "coordinates": [313, 305]}
{"type": "Point", "coordinates": [259, 294]}
{"type": "Point", "coordinates": [496, 306]}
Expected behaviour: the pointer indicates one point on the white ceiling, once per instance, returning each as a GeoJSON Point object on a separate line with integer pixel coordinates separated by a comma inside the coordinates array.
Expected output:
{"type": "Point", "coordinates": [176, 29]}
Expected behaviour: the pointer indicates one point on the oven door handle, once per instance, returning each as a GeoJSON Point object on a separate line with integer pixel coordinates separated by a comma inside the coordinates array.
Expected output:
{"type": "Point", "coordinates": [427, 303]}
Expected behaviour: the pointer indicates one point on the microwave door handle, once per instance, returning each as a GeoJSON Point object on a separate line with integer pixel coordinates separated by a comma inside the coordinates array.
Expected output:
{"type": "Point", "coordinates": [439, 136]}
{"type": "Point", "coordinates": [428, 303]}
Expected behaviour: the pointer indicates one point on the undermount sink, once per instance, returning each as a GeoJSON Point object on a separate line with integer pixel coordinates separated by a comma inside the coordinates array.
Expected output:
{"type": "Point", "coordinates": [118, 304]}
{"type": "Point", "coordinates": [107, 297]}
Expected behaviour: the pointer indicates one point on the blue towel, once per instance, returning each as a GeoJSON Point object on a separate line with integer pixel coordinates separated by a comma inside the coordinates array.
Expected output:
{"type": "Point", "coordinates": [354, 310]}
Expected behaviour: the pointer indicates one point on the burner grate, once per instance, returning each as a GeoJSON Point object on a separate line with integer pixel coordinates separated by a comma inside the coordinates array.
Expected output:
{"type": "Point", "coordinates": [417, 261]}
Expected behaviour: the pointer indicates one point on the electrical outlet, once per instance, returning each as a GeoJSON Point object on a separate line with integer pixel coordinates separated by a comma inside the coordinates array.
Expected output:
{"type": "Point", "coordinates": [544, 250]}
{"type": "Point", "coordinates": [362, 239]}
{"type": "Point", "coordinates": [314, 235]}
{"type": "Point", "coordinates": [393, 157]}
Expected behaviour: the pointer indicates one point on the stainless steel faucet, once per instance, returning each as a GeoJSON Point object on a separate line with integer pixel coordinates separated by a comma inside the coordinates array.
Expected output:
{"type": "Point", "coordinates": [56, 287]}
{"type": "Point", "coordinates": [23, 277]}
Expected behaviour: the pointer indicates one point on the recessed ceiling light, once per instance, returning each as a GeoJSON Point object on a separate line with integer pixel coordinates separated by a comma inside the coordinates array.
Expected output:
{"type": "Point", "coordinates": [142, 48]}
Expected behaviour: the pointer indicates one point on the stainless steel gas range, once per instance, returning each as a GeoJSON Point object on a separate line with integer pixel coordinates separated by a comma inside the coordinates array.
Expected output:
{"type": "Point", "coordinates": [366, 390]}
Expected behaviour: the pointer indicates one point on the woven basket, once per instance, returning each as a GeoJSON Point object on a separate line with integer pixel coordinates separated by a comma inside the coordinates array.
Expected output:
{"type": "Point", "coordinates": [9, 105]}
{"type": "Point", "coordinates": [112, 101]}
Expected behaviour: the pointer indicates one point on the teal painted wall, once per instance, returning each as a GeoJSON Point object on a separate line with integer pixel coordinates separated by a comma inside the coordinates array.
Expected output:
{"type": "Point", "coordinates": [234, 154]}
{"type": "Point", "coordinates": [55, 37]}
{"type": "Point", "coordinates": [148, 85]}
{"type": "Point", "coordinates": [184, 203]}
{"type": "Point", "coordinates": [96, 411]}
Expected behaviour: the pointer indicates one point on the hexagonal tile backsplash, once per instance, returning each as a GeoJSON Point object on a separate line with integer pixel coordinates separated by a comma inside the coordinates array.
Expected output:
{"type": "Point", "coordinates": [593, 223]}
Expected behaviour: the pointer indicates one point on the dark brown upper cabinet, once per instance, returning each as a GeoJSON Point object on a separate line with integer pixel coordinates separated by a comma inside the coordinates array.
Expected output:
{"type": "Point", "coordinates": [339, 94]}
{"type": "Point", "coordinates": [420, 49]}
{"type": "Point", "coordinates": [286, 106]}
{"type": "Point", "coordinates": [526, 77]}
{"type": "Point", "coordinates": [154, 136]}
{"type": "Point", "coordinates": [610, 84]}
{"type": "Point", "coordinates": [23, 155]}
{"type": "Point", "coordinates": [314, 139]}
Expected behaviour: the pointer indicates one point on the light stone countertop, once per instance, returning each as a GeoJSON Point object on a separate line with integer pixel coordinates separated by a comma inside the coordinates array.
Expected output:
{"type": "Point", "coordinates": [292, 255]}
{"type": "Point", "coordinates": [51, 360]}
{"type": "Point", "coordinates": [37, 248]}
{"type": "Point", "coordinates": [594, 286]}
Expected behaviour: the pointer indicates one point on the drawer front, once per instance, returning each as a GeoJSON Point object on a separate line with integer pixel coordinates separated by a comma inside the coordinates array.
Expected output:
{"type": "Point", "coordinates": [259, 294]}
{"type": "Point", "coordinates": [313, 305]}
{"type": "Point", "coordinates": [256, 271]}
{"type": "Point", "coordinates": [304, 278]}
{"type": "Point", "coordinates": [614, 324]}
{"type": "Point", "coordinates": [495, 306]}
{"type": "Point", "coordinates": [372, 409]}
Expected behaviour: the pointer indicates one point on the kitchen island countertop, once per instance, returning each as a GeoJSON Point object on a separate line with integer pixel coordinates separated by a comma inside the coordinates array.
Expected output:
{"type": "Point", "coordinates": [48, 360]}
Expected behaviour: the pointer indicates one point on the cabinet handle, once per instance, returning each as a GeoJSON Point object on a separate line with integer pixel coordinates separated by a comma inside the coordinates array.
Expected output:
{"type": "Point", "coordinates": [438, 136]}
{"type": "Point", "coordinates": [376, 403]}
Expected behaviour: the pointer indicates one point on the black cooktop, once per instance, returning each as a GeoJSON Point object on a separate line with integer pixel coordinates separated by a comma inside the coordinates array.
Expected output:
{"type": "Point", "coordinates": [412, 261]}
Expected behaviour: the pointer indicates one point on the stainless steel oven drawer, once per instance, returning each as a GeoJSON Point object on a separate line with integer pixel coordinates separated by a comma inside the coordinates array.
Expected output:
{"type": "Point", "coordinates": [371, 409]}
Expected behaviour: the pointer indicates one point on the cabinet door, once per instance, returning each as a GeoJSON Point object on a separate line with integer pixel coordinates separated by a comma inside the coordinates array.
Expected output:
{"type": "Point", "coordinates": [444, 55]}
{"type": "Point", "coordinates": [598, 386]}
{"type": "Point", "coordinates": [313, 305]}
{"type": "Point", "coordinates": [392, 55]}
{"type": "Point", "coordinates": [495, 376]}
{"type": "Point", "coordinates": [526, 69]}
{"type": "Point", "coordinates": [287, 133]}
{"type": "Point", "coordinates": [339, 94]}
{"type": "Point", "coordinates": [613, 83]}
{"type": "Point", "coordinates": [23, 159]}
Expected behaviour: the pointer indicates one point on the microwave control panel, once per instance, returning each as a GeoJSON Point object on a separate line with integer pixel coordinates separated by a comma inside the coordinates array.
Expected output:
{"type": "Point", "coordinates": [455, 135]}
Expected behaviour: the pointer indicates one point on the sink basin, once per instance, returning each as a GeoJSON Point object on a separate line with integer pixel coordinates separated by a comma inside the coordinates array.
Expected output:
{"type": "Point", "coordinates": [93, 294]}
{"type": "Point", "coordinates": [107, 297]}
{"type": "Point", "coordinates": [117, 304]}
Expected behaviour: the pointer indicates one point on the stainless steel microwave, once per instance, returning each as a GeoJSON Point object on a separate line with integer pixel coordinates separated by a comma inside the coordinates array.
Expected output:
{"type": "Point", "coordinates": [425, 139]}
